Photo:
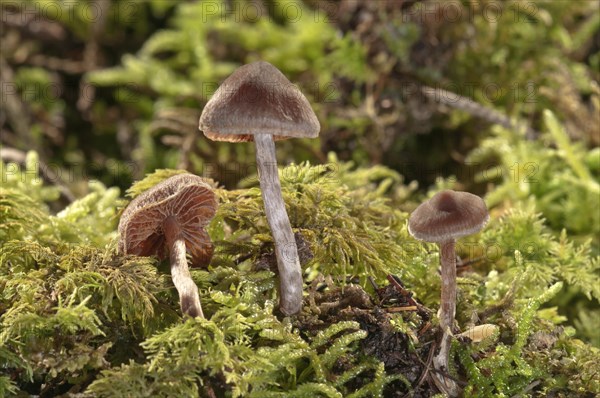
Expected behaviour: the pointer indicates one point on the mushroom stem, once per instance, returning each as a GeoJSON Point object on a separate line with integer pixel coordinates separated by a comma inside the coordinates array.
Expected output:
{"type": "Point", "coordinates": [448, 304]}
{"type": "Point", "coordinates": [182, 279]}
{"type": "Point", "coordinates": [288, 264]}
{"type": "Point", "coordinates": [446, 315]}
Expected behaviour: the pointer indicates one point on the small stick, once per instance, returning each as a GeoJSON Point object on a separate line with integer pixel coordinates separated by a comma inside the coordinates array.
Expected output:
{"type": "Point", "coordinates": [402, 290]}
{"type": "Point", "coordinates": [373, 283]}
{"type": "Point", "coordinates": [402, 309]}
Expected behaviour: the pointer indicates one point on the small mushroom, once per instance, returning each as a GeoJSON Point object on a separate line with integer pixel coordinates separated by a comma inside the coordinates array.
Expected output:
{"type": "Point", "coordinates": [170, 217]}
{"type": "Point", "coordinates": [448, 215]}
{"type": "Point", "coordinates": [258, 103]}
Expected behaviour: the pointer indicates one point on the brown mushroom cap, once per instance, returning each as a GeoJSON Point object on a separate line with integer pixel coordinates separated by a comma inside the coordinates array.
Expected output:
{"type": "Point", "coordinates": [448, 215]}
{"type": "Point", "coordinates": [184, 196]}
{"type": "Point", "coordinates": [258, 99]}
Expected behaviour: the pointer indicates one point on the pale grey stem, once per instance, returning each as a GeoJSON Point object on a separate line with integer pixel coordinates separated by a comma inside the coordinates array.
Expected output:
{"type": "Point", "coordinates": [182, 279]}
{"type": "Point", "coordinates": [446, 315]}
{"type": "Point", "coordinates": [290, 273]}
{"type": "Point", "coordinates": [448, 302]}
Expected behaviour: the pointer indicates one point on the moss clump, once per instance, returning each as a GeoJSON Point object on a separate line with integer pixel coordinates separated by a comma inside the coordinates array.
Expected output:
{"type": "Point", "coordinates": [78, 318]}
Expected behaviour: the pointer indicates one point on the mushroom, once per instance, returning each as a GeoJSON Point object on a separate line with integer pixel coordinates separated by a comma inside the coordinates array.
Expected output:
{"type": "Point", "coordinates": [258, 103]}
{"type": "Point", "coordinates": [448, 215]}
{"type": "Point", "coordinates": [170, 217]}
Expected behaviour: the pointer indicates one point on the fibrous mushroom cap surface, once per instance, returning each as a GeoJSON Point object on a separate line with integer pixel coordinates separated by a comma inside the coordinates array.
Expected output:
{"type": "Point", "coordinates": [448, 215]}
{"type": "Point", "coordinates": [258, 99]}
{"type": "Point", "coordinates": [186, 197]}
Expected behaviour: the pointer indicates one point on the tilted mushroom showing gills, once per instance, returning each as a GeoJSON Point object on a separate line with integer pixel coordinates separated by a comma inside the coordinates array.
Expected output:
{"type": "Point", "coordinates": [258, 103]}
{"type": "Point", "coordinates": [170, 218]}
{"type": "Point", "coordinates": [448, 215]}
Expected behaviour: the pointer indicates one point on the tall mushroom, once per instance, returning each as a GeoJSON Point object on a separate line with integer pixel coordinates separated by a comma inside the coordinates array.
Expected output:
{"type": "Point", "coordinates": [258, 103]}
{"type": "Point", "coordinates": [170, 217]}
{"type": "Point", "coordinates": [448, 215]}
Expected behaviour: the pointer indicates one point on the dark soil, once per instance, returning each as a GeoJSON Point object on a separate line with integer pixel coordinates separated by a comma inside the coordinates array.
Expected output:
{"type": "Point", "coordinates": [401, 354]}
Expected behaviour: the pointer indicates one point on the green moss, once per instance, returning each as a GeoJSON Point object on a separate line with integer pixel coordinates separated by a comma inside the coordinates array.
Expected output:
{"type": "Point", "coordinates": [75, 313]}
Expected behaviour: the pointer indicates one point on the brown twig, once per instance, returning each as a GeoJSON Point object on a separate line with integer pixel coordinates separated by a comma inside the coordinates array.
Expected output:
{"type": "Point", "coordinates": [398, 285]}
{"type": "Point", "coordinates": [447, 375]}
{"type": "Point", "coordinates": [401, 309]}
{"type": "Point", "coordinates": [473, 108]}
{"type": "Point", "coordinates": [426, 368]}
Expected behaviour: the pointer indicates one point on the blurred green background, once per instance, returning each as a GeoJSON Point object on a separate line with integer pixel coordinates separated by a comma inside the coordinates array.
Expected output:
{"type": "Point", "coordinates": [113, 89]}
